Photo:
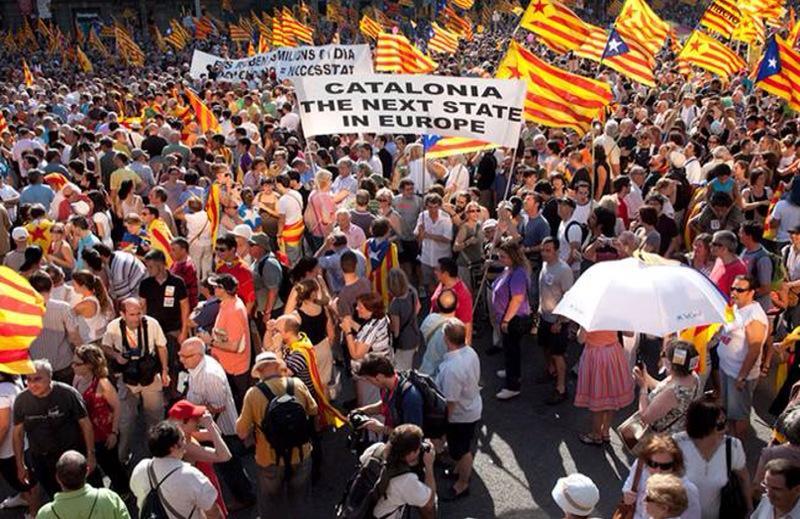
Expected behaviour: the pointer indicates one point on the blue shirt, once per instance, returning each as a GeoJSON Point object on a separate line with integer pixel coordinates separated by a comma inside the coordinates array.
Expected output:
{"type": "Point", "coordinates": [84, 243]}
{"type": "Point", "coordinates": [332, 265]}
{"type": "Point", "coordinates": [534, 230]}
{"type": "Point", "coordinates": [37, 194]}
{"type": "Point", "coordinates": [408, 410]}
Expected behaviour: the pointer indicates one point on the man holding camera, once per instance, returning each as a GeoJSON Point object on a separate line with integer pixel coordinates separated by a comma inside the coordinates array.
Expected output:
{"type": "Point", "coordinates": [406, 453]}
{"type": "Point", "coordinates": [137, 348]}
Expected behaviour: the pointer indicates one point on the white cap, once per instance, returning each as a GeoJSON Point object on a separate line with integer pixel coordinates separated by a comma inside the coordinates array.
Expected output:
{"type": "Point", "coordinates": [81, 208]}
{"type": "Point", "coordinates": [243, 231]}
{"type": "Point", "coordinates": [576, 494]}
{"type": "Point", "coordinates": [19, 233]}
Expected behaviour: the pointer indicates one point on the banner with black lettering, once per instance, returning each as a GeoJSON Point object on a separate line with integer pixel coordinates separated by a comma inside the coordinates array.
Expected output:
{"type": "Point", "coordinates": [489, 110]}
{"type": "Point", "coordinates": [324, 60]}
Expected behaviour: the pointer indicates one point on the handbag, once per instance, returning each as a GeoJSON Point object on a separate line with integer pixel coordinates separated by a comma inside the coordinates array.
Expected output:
{"type": "Point", "coordinates": [732, 504]}
{"type": "Point", "coordinates": [625, 510]}
{"type": "Point", "coordinates": [635, 434]}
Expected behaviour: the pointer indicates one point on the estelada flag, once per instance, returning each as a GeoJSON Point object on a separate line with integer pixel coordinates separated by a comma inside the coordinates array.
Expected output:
{"type": "Point", "coordinates": [205, 117]}
{"type": "Point", "coordinates": [556, 25]}
{"type": "Point", "coordinates": [21, 312]}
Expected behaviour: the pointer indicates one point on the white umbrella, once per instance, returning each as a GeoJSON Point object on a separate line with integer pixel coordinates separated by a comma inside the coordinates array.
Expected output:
{"type": "Point", "coordinates": [633, 296]}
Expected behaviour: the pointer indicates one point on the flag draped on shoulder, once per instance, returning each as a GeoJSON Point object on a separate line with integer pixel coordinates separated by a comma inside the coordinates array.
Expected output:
{"type": "Point", "coordinates": [442, 40]}
{"type": "Point", "coordinates": [555, 97]}
{"type": "Point", "coordinates": [21, 312]}
{"type": "Point", "coordinates": [205, 117]}
{"type": "Point", "coordinates": [722, 17]}
{"type": "Point", "coordinates": [556, 25]}
{"type": "Point", "coordinates": [779, 72]}
{"type": "Point", "coordinates": [213, 210]}
{"type": "Point", "coordinates": [160, 237]}
{"type": "Point", "coordinates": [712, 55]}
{"type": "Point", "coordinates": [638, 22]}
{"type": "Point", "coordinates": [396, 54]}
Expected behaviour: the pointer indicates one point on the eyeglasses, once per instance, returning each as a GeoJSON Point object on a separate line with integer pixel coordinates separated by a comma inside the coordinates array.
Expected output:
{"type": "Point", "coordinates": [663, 466]}
{"type": "Point", "coordinates": [473, 210]}
{"type": "Point", "coordinates": [740, 289]}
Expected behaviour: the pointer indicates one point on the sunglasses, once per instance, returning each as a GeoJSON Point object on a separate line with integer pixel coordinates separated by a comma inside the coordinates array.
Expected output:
{"type": "Point", "coordinates": [663, 466]}
{"type": "Point", "coordinates": [740, 289]}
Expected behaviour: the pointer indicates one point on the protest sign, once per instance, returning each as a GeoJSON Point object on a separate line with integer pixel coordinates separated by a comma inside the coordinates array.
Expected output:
{"type": "Point", "coordinates": [299, 61]}
{"type": "Point", "coordinates": [486, 109]}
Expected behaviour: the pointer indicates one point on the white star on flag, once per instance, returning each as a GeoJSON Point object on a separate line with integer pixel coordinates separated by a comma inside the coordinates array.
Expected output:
{"type": "Point", "coordinates": [773, 63]}
{"type": "Point", "coordinates": [613, 45]}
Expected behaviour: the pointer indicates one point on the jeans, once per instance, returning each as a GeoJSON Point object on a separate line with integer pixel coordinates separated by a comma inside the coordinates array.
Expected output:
{"type": "Point", "coordinates": [152, 399]}
{"type": "Point", "coordinates": [518, 327]}
{"type": "Point", "coordinates": [108, 461]}
{"type": "Point", "coordinates": [280, 498]}
{"type": "Point", "coordinates": [232, 472]}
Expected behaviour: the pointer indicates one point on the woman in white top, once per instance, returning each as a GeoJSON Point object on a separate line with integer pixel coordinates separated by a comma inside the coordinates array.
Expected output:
{"type": "Point", "coordinates": [661, 455]}
{"type": "Point", "coordinates": [93, 308]}
{"type": "Point", "coordinates": [457, 175]}
{"type": "Point", "coordinates": [704, 455]}
{"type": "Point", "coordinates": [371, 337]}
{"type": "Point", "coordinates": [198, 232]}
{"type": "Point", "coordinates": [101, 217]}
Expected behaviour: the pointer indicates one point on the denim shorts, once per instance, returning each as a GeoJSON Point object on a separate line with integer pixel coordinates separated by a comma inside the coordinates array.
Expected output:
{"type": "Point", "coordinates": [738, 403]}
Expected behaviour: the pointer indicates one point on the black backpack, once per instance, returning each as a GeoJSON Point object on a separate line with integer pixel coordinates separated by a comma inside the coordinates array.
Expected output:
{"type": "Point", "coordinates": [154, 505]}
{"type": "Point", "coordinates": [585, 233]}
{"type": "Point", "coordinates": [285, 424]}
{"type": "Point", "coordinates": [434, 404]}
{"type": "Point", "coordinates": [367, 486]}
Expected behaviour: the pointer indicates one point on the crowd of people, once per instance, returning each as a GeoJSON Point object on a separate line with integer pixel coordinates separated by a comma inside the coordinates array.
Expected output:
{"type": "Point", "coordinates": [345, 282]}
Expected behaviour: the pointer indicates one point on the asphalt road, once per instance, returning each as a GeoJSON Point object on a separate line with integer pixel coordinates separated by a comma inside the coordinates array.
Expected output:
{"type": "Point", "coordinates": [524, 447]}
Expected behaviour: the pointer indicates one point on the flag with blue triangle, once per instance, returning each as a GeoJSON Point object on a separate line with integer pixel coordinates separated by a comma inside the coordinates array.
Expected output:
{"type": "Point", "coordinates": [615, 46]}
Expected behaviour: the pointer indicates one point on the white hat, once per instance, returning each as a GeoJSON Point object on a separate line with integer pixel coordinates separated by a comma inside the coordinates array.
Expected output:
{"type": "Point", "coordinates": [576, 494]}
{"type": "Point", "coordinates": [81, 208]}
{"type": "Point", "coordinates": [19, 233]}
{"type": "Point", "coordinates": [265, 357]}
{"type": "Point", "coordinates": [243, 231]}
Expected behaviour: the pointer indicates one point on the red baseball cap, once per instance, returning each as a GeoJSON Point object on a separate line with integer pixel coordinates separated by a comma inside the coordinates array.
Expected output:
{"type": "Point", "coordinates": [185, 410]}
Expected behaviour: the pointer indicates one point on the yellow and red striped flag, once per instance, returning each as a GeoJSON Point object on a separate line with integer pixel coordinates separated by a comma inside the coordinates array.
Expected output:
{"type": "Point", "coordinates": [263, 43]}
{"type": "Point", "coordinates": [396, 54]}
{"type": "Point", "coordinates": [709, 54]}
{"type": "Point", "coordinates": [27, 76]}
{"type": "Point", "coordinates": [280, 36]}
{"type": "Point", "coordinates": [127, 48]}
{"type": "Point", "coordinates": [300, 32]}
{"type": "Point", "coordinates": [176, 40]}
{"type": "Point", "coordinates": [251, 51]}
{"type": "Point", "coordinates": [448, 146]}
{"type": "Point", "coordinates": [555, 97]}
{"type": "Point", "coordinates": [635, 64]}
{"type": "Point", "coordinates": [442, 40]}
{"type": "Point", "coordinates": [204, 28]}
{"type": "Point", "coordinates": [205, 117]}
{"type": "Point", "coordinates": [638, 22]}
{"type": "Point", "coordinates": [699, 337]}
{"type": "Point", "coordinates": [160, 237]}
{"type": "Point", "coordinates": [464, 4]}
{"type": "Point", "coordinates": [458, 24]}
{"type": "Point", "coordinates": [21, 312]}
{"type": "Point", "coordinates": [237, 33]}
{"type": "Point", "coordinates": [3, 123]}
{"type": "Point", "coordinates": [97, 44]}
{"type": "Point", "coordinates": [772, 11]}
{"type": "Point", "coordinates": [556, 25]}
{"type": "Point", "coordinates": [750, 28]}
{"type": "Point", "coordinates": [779, 74]}
{"type": "Point", "coordinates": [369, 27]}
{"type": "Point", "coordinates": [794, 34]}
{"type": "Point", "coordinates": [722, 17]}
{"type": "Point", "coordinates": [177, 27]}
{"type": "Point", "coordinates": [213, 210]}
{"type": "Point", "coordinates": [83, 60]}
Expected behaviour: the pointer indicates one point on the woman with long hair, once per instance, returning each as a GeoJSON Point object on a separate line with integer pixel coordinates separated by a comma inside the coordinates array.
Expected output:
{"type": "Point", "coordinates": [127, 200]}
{"type": "Point", "coordinates": [469, 245]}
{"type": "Point", "coordinates": [317, 325]}
{"type": "Point", "coordinates": [701, 258]}
{"type": "Point", "coordinates": [59, 252]}
{"type": "Point", "coordinates": [93, 307]}
{"type": "Point", "coordinates": [403, 311]}
{"type": "Point", "coordinates": [101, 216]}
{"type": "Point", "coordinates": [601, 177]}
{"type": "Point", "coordinates": [512, 312]}
{"type": "Point", "coordinates": [102, 404]}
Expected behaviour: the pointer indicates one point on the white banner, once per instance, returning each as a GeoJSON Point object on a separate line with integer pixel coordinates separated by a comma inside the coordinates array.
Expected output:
{"type": "Point", "coordinates": [486, 109]}
{"type": "Point", "coordinates": [325, 60]}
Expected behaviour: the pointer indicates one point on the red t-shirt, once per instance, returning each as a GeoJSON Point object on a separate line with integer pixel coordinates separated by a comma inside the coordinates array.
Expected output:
{"type": "Point", "coordinates": [244, 276]}
{"type": "Point", "coordinates": [464, 298]}
{"type": "Point", "coordinates": [723, 275]}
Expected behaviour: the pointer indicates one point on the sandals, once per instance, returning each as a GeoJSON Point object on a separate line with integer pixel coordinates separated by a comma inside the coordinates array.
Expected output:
{"type": "Point", "coordinates": [588, 439]}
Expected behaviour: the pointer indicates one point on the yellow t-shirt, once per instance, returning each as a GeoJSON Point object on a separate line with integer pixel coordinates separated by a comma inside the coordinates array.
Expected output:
{"type": "Point", "coordinates": [254, 408]}
{"type": "Point", "coordinates": [118, 176]}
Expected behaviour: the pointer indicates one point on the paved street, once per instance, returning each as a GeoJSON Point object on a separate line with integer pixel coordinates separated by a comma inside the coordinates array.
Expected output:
{"type": "Point", "coordinates": [525, 446]}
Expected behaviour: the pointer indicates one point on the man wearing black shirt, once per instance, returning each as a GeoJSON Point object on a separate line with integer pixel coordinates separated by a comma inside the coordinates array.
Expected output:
{"type": "Point", "coordinates": [484, 178]}
{"type": "Point", "coordinates": [153, 144]}
{"type": "Point", "coordinates": [549, 205]}
{"type": "Point", "coordinates": [164, 298]}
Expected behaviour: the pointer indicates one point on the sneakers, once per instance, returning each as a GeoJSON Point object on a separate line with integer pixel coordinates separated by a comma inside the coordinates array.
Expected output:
{"type": "Point", "coordinates": [501, 373]}
{"type": "Point", "coordinates": [16, 501]}
{"type": "Point", "coordinates": [506, 394]}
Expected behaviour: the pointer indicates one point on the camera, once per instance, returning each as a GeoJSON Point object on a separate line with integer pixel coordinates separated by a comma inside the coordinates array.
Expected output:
{"type": "Point", "coordinates": [357, 419]}
{"type": "Point", "coordinates": [426, 447]}
{"type": "Point", "coordinates": [358, 439]}
{"type": "Point", "coordinates": [131, 355]}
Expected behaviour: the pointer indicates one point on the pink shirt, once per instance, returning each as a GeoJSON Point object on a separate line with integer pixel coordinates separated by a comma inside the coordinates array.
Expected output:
{"type": "Point", "coordinates": [321, 202]}
{"type": "Point", "coordinates": [232, 318]}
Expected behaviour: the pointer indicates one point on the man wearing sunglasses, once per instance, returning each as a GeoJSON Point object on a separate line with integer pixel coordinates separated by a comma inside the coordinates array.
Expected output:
{"type": "Point", "coordinates": [740, 352]}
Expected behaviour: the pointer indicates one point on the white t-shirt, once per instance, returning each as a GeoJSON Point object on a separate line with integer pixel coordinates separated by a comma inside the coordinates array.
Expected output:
{"type": "Point", "coordinates": [433, 250]}
{"type": "Point", "coordinates": [102, 222]}
{"type": "Point", "coordinates": [404, 490]}
{"type": "Point", "coordinates": [188, 489]}
{"type": "Point", "coordinates": [420, 176]}
{"type": "Point", "coordinates": [733, 343]}
{"type": "Point", "coordinates": [290, 204]}
{"type": "Point", "coordinates": [582, 212]}
{"type": "Point", "coordinates": [7, 193]}
{"type": "Point", "coordinates": [575, 235]}
{"type": "Point", "coordinates": [198, 228]}
{"type": "Point", "coordinates": [709, 477]}
{"type": "Point", "coordinates": [789, 216]}
{"type": "Point", "coordinates": [8, 393]}
{"type": "Point", "coordinates": [458, 177]}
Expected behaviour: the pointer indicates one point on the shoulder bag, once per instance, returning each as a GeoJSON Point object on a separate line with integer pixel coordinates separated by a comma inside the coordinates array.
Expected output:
{"type": "Point", "coordinates": [624, 510]}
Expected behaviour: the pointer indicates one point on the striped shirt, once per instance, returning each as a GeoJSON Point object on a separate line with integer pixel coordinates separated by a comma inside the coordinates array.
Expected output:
{"type": "Point", "coordinates": [208, 386]}
{"type": "Point", "coordinates": [125, 272]}
{"type": "Point", "coordinates": [299, 368]}
{"type": "Point", "coordinates": [374, 332]}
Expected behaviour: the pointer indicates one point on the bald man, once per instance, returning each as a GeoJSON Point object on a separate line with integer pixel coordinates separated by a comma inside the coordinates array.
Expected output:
{"type": "Point", "coordinates": [432, 329]}
{"type": "Point", "coordinates": [208, 386]}
{"type": "Point", "coordinates": [138, 348]}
